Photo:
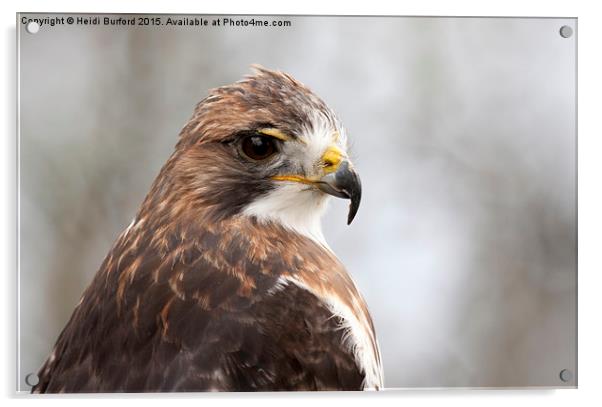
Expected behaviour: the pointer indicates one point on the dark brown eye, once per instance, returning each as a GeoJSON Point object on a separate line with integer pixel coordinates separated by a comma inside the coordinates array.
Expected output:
{"type": "Point", "coordinates": [258, 147]}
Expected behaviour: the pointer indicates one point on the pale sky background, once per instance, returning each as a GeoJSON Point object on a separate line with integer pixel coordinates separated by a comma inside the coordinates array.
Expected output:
{"type": "Point", "coordinates": [463, 131]}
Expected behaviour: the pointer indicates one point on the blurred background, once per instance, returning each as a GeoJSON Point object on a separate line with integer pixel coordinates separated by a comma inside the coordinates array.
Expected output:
{"type": "Point", "coordinates": [463, 131]}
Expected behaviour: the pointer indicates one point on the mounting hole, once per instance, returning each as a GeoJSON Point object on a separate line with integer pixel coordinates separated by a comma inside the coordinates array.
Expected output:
{"type": "Point", "coordinates": [32, 379]}
{"type": "Point", "coordinates": [566, 31]}
{"type": "Point", "coordinates": [32, 27]}
{"type": "Point", "coordinates": [566, 375]}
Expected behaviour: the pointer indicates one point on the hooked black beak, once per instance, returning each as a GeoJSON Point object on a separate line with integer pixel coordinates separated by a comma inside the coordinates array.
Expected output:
{"type": "Point", "coordinates": [343, 183]}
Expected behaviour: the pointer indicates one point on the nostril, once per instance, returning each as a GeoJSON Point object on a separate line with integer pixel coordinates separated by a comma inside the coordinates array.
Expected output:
{"type": "Point", "coordinates": [331, 158]}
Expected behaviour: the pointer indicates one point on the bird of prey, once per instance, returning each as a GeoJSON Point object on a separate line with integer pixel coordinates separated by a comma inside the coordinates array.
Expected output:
{"type": "Point", "coordinates": [224, 281]}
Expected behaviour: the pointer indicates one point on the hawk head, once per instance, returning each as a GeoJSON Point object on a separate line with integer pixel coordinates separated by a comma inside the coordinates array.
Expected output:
{"type": "Point", "coordinates": [265, 147]}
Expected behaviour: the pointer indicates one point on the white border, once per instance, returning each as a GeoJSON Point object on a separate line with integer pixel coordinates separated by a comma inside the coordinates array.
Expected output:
{"type": "Point", "coordinates": [18, 208]}
{"type": "Point", "coordinates": [590, 191]}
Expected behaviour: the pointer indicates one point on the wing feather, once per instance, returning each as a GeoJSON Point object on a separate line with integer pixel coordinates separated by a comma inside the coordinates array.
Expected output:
{"type": "Point", "coordinates": [151, 323]}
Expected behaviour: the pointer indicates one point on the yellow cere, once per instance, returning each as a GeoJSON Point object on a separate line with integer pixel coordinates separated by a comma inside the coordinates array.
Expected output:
{"type": "Point", "coordinates": [332, 158]}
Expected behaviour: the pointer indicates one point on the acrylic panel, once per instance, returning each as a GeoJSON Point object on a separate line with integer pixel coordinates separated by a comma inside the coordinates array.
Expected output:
{"type": "Point", "coordinates": [464, 248]}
